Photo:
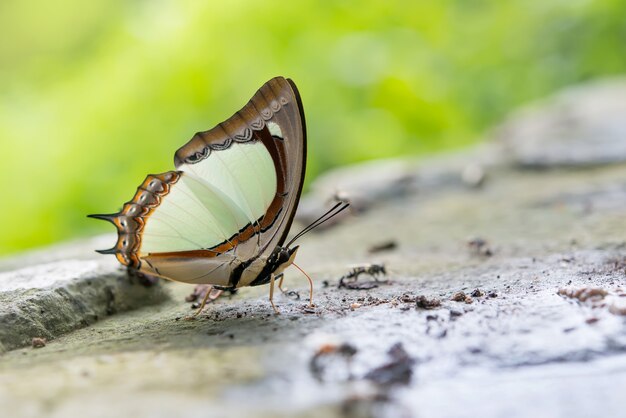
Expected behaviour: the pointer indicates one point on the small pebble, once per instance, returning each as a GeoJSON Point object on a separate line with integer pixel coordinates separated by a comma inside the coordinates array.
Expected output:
{"type": "Point", "coordinates": [39, 342]}
{"type": "Point", "coordinates": [422, 302]}
{"type": "Point", "coordinates": [458, 297]}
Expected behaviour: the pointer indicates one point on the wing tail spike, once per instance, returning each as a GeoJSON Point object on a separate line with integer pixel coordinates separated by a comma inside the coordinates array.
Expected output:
{"type": "Point", "coordinates": [105, 217]}
{"type": "Point", "coordinates": [109, 251]}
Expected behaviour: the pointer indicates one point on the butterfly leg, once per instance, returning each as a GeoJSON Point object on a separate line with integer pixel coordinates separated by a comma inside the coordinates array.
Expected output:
{"type": "Point", "coordinates": [199, 292]}
{"type": "Point", "coordinates": [272, 278]}
{"type": "Point", "coordinates": [211, 294]}
{"type": "Point", "coordinates": [310, 285]}
{"type": "Point", "coordinates": [280, 278]}
{"type": "Point", "coordinates": [294, 294]}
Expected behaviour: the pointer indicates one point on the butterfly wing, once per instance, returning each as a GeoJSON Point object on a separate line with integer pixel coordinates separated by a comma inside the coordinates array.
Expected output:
{"type": "Point", "coordinates": [273, 118]}
{"type": "Point", "coordinates": [231, 200]}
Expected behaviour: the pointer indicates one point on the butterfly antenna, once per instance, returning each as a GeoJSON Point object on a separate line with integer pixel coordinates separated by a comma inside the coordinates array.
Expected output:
{"type": "Point", "coordinates": [331, 213]}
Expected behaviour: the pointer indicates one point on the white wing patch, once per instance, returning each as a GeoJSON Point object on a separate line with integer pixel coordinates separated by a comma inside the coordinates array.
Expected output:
{"type": "Point", "coordinates": [214, 199]}
{"type": "Point", "coordinates": [275, 129]}
{"type": "Point", "coordinates": [244, 172]}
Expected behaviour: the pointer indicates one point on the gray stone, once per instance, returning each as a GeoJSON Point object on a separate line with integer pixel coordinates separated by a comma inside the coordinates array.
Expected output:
{"type": "Point", "coordinates": [81, 249]}
{"type": "Point", "coordinates": [580, 126]}
{"type": "Point", "coordinates": [368, 184]}
{"type": "Point", "coordinates": [49, 300]}
{"type": "Point", "coordinates": [522, 345]}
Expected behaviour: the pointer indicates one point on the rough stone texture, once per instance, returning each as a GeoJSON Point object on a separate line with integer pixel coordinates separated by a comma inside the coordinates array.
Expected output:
{"type": "Point", "coordinates": [584, 125]}
{"type": "Point", "coordinates": [519, 349]}
{"type": "Point", "coordinates": [48, 300]}
{"type": "Point", "coordinates": [540, 330]}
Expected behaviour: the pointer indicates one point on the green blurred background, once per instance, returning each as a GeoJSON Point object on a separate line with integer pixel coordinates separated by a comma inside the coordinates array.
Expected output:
{"type": "Point", "coordinates": [95, 95]}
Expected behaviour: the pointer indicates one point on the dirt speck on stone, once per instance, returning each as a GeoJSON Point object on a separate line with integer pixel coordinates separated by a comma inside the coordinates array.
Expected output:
{"type": "Point", "coordinates": [397, 372]}
{"type": "Point", "coordinates": [422, 302]}
{"type": "Point", "coordinates": [459, 297]}
{"type": "Point", "coordinates": [583, 294]}
{"type": "Point", "coordinates": [332, 362]}
{"type": "Point", "coordinates": [39, 342]}
{"type": "Point", "coordinates": [479, 247]}
{"type": "Point", "coordinates": [407, 298]}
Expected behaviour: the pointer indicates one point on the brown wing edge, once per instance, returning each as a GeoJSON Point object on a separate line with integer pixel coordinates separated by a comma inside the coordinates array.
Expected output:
{"type": "Point", "coordinates": [304, 156]}
{"type": "Point", "coordinates": [131, 220]}
{"type": "Point", "coordinates": [240, 127]}
{"type": "Point", "coordinates": [247, 125]}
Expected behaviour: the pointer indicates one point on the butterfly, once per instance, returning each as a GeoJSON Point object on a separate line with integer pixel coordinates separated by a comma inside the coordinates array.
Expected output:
{"type": "Point", "coordinates": [222, 217]}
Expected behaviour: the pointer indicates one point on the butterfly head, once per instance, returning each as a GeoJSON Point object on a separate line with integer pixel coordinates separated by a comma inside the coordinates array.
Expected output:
{"type": "Point", "coordinates": [283, 257]}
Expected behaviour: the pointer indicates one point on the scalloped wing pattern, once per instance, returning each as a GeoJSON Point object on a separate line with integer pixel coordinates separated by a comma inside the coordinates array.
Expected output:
{"type": "Point", "coordinates": [231, 200]}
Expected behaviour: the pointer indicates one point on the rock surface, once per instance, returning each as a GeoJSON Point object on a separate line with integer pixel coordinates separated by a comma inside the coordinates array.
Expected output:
{"type": "Point", "coordinates": [503, 297]}
{"type": "Point", "coordinates": [48, 300]}
{"type": "Point", "coordinates": [584, 125]}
